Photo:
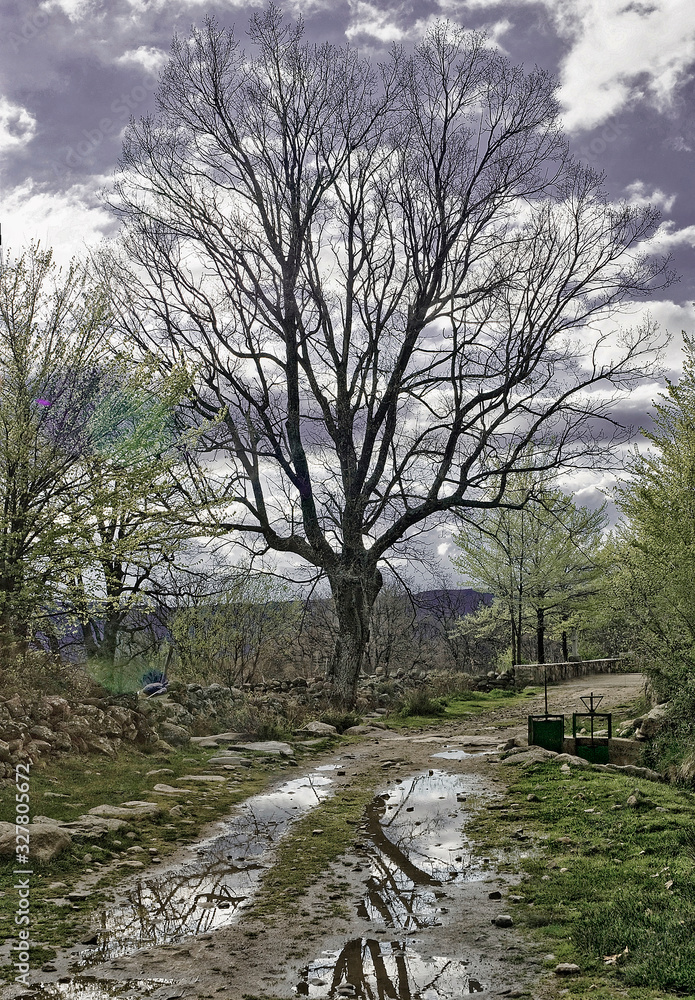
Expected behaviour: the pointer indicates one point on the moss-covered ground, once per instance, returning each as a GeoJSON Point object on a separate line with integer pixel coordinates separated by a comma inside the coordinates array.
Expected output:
{"type": "Point", "coordinates": [606, 886]}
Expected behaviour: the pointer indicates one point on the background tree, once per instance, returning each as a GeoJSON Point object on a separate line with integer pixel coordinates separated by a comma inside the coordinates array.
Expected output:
{"type": "Point", "coordinates": [241, 619]}
{"type": "Point", "coordinates": [539, 558]}
{"type": "Point", "coordinates": [654, 590]}
{"type": "Point", "coordinates": [54, 330]}
{"type": "Point", "coordinates": [385, 277]}
{"type": "Point", "coordinates": [136, 509]}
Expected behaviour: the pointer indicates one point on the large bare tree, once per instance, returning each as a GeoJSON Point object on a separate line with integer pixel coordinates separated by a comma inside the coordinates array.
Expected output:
{"type": "Point", "coordinates": [388, 278]}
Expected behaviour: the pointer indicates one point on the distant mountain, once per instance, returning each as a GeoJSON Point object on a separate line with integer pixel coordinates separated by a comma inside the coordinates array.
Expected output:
{"type": "Point", "coordinates": [450, 603]}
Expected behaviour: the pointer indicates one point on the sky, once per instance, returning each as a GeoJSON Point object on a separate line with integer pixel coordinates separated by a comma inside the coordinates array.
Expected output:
{"type": "Point", "coordinates": [72, 72]}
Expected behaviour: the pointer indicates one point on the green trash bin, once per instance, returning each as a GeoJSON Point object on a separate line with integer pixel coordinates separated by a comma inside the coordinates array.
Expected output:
{"type": "Point", "coordinates": [546, 731]}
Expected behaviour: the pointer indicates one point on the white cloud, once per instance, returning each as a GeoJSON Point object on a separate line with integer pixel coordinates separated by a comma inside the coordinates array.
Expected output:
{"type": "Point", "coordinates": [668, 236]}
{"type": "Point", "coordinates": [17, 125]}
{"type": "Point", "coordinates": [638, 195]}
{"type": "Point", "coordinates": [148, 56]}
{"type": "Point", "coordinates": [75, 10]}
{"type": "Point", "coordinates": [369, 20]}
{"type": "Point", "coordinates": [620, 52]}
{"type": "Point", "coordinates": [69, 221]}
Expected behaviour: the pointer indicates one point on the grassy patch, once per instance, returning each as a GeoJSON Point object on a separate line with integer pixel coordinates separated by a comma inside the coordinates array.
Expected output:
{"type": "Point", "coordinates": [303, 857]}
{"type": "Point", "coordinates": [605, 879]}
{"type": "Point", "coordinates": [419, 709]}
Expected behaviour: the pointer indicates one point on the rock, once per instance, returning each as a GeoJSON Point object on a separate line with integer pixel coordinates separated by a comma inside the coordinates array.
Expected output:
{"type": "Point", "coordinates": [495, 894]}
{"type": "Point", "coordinates": [639, 801]}
{"type": "Point", "coordinates": [317, 832]}
{"type": "Point", "coordinates": [362, 730]}
{"type": "Point", "coordinates": [159, 770]}
{"type": "Point", "coordinates": [319, 729]}
{"type": "Point", "coordinates": [229, 760]}
{"type": "Point", "coordinates": [502, 920]}
{"type": "Point", "coordinates": [650, 724]}
{"type": "Point", "coordinates": [92, 827]}
{"type": "Point", "coordinates": [170, 790]}
{"type": "Point", "coordinates": [78, 896]}
{"type": "Point", "coordinates": [528, 756]}
{"type": "Point", "coordinates": [686, 771]}
{"type": "Point", "coordinates": [174, 735]}
{"type": "Point", "coordinates": [46, 840]}
{"type": "Point", "coordinates": [135, 809]}
{"type": "Point", "coordinates": [571, 759]}
{"type": "Point", "coordinates": [206, 742]}
{"type": "Point", "coordinates": [227, 737]}
{"type": "Point", "coordinates": [567, 969]}
{"type": "Point", "coordinates": [202, 777]}
{"type": "Point", "coordinates": [268, 746]}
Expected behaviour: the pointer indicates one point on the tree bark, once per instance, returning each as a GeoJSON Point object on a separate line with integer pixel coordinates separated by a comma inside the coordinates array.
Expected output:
{"type": "Point", "coordinates": [540, 634]}
{"type": "Point", "coordinates": [354, 600]}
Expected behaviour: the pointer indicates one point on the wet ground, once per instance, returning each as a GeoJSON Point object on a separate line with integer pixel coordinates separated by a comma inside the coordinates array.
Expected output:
{"type": "Point", "coordinates": [420, 917]}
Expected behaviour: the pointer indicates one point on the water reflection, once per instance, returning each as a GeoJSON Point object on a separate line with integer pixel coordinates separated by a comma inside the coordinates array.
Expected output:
{"type": "Point", "coordinates": [415, 846]}
{"type": "Point", "coordinates": [88, 988]}
{"type": "Point", "coordinates": [385, 970]}
{"type": "Point", "coordinates": [210, 890]}
{"type": "Point", "coordinates": [462, 754]}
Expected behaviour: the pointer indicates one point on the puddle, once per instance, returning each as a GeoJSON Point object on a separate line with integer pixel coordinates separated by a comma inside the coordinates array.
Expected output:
{"type": "Point", "coordinates": [414, 845]}
{"type": "Point", "coordinates": [385, 969]}
{"type": "Point", "coordinates": [213, 888]}
{"type": "Point", "coordinates": [104, 989]}
{"type": "Point", "coordinates": [462, 754]}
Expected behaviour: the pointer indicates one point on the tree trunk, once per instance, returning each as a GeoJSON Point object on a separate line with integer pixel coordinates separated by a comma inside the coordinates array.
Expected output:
{"type": "Point", "coordinates": [565, 648]}
{"type": "Point", "coordinates": [540, 634]}
{"type": "Point", "coordinates": [353, 608]}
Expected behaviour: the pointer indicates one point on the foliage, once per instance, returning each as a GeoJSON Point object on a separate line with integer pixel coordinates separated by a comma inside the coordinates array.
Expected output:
{"type": "Point", "coordinates": [226, 634]}
{"type": "Point", "coordinates": [648, 593]}
{"type": "Point", "coordinates": [54, 328]}
{"type": "Point", "coordinates": [538, 556]}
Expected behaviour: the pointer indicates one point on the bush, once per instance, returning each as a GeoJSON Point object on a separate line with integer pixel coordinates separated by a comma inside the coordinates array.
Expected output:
{"type": "Point", "coordinates": [421, 702]}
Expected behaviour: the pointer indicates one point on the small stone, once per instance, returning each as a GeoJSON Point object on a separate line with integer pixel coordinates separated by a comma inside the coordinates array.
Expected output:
{"type": "Point", "coordinates": [48, 967]}
{"type": "Point", "coordinates": [91, 939]}
{"type": "Point", "coordinates": [503, 920]}
{"type": "Point", "coordinates": [567, 969]}
{"type": "Point", "coordinates": [317, 832]}
{"type": "Point", "coordinates": [78, 896]}
{"type": "Point", "coordinates": [495, 894]}
{"type": "Point", "coordinates": [532, 798]}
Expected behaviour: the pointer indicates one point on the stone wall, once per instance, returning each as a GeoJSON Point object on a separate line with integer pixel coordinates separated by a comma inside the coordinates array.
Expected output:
{"type": "Point", "coordinates": [533, 673]}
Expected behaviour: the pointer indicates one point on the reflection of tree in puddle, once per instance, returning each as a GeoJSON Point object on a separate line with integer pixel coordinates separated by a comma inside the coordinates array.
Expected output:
{"type": "Point", "coordinates": [210, 891]}
{"type": "Point", "coordinates": [106, 989]}
{"type": "Point", "coordinates": [386, 970]}
{"type": "Point", "coordinates": [415, 845]}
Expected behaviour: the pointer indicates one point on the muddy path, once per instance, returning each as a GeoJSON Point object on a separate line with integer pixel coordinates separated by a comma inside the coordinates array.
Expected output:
{"type": "Point", "coordinates": [404, 912]}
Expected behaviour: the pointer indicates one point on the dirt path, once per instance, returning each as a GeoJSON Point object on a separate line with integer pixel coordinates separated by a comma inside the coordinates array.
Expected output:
{"type": "Point", "coordinates": [405, 911]}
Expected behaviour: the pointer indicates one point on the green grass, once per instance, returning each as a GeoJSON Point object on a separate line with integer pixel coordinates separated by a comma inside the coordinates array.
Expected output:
{"type": "Point", "coordinates": [303, 858]}
{"type": "Point", "coordinates": [629, 880]}
{"type": "Point", "coordinates": [420, 709]}
{"type": "Point", "coordinates": [91, 780]}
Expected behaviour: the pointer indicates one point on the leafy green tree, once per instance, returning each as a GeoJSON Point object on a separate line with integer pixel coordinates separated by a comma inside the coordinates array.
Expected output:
{"type": "Point", "coordinates": [137, 508]}
{"type": "Point", "coordinates": [54, 330]}
{"type": "Point", "coordinates": [654, 590]}
{"type": "Point", "coordinates": [538, 558]}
